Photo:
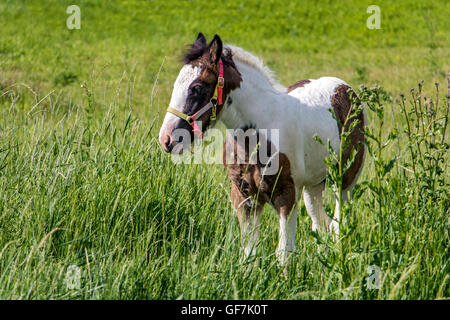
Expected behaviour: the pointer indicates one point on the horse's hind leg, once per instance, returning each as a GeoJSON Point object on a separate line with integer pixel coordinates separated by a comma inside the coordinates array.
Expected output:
{"type": "Point", "coordinates": [312, 195]}
{"type": "Point", "coordinates": [334, 225]}
{"type": "Point", "coordinates": [249, 219]}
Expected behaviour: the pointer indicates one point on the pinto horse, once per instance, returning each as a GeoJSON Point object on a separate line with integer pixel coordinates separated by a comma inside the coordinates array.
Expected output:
{"type": "Point", "coordinates": [227, 83]}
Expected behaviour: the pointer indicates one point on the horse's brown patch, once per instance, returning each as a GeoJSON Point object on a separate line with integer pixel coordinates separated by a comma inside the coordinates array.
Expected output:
{"type": "Point", "coordinates": [298, 84]}
{"type": "Point", "coordinates": [210, 72]}
{"type": "Point", "coordinates": [342, 109]}
{"type": "Point", "coordinates": [207, 56]}
{"type": "Point", "coordinates": [248, 182]}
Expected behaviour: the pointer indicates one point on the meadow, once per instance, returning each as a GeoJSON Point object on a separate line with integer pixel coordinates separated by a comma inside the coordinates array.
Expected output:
{"type": "Point", "coordinates": [85, 186]}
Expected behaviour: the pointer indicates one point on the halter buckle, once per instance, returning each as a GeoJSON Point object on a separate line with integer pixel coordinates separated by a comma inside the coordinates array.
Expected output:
{"type": "Point", "coordinates": [220, 82]}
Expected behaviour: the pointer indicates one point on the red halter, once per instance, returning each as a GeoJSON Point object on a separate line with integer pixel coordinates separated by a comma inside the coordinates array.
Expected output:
{"type": "Point", "coordinates": [220, 83]}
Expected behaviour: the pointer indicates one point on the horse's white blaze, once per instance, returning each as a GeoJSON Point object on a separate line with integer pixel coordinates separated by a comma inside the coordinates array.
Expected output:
{"type": "Point", "coordinates": [179, 95]}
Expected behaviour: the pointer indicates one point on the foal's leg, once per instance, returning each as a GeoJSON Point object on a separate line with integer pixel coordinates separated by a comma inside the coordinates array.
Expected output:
{"type": "Point", "coordinates": [312, 195]}
{"type": "Point", "coordinates": [286, 206]}
{"type": "Point", "coordinates": [249, 219]}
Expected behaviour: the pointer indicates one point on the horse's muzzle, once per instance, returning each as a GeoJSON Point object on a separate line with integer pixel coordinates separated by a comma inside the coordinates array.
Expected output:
{"type": "Point", "coordinates": [170, 145]}
{"type": "Point", "coordinates": [166, 142]}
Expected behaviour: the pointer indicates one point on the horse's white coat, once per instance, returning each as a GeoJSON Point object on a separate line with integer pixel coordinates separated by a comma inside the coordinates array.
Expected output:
{"type": "Point", "coordinates": [299, 116]}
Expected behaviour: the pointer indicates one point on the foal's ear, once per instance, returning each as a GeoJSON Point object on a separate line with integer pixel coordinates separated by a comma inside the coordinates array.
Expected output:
{"type": "Point", "coordinates": [215, 49]}
{"type": "Point", "coordinates": [201, 39]}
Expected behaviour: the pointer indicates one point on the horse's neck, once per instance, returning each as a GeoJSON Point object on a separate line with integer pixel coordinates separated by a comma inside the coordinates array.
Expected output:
{"type": "Point", "coordinates": [254, 102]}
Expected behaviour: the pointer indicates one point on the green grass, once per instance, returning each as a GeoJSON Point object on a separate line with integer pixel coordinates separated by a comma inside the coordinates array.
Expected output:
{"type": "Point", "coordinates": [84, 182]}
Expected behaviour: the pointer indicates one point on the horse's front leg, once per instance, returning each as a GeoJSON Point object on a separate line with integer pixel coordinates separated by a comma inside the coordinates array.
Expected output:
{"type": "Point", "coordinates": [312, 195]}
{"type": "Point", "coordinates": [249, 219]}
{"type": "Point", "coordinates": [286, 206]}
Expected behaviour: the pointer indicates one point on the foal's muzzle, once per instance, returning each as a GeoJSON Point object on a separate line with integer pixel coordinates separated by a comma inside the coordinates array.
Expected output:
{"type": "Point", "coordinates": [166, 142]}
{"type": "Point", "coordinates": [176, 139]}
{"type": "Point", "coordinates": [169, 144]}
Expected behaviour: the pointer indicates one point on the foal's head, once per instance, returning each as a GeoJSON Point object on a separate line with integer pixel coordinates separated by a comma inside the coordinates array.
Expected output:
{"type": "Point", "coordinates": [194, 88]}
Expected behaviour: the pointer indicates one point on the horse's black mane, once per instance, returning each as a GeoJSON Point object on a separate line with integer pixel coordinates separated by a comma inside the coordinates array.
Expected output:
{"type": "Point", "coordinates": [198, 49]}
{"type": "Point", "coordinates": [195, 51]}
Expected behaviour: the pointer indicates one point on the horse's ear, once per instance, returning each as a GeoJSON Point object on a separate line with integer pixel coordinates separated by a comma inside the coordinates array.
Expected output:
{"type": "Point", "coordinates": [215, 49]}
{"type": "Point", "coordinates": [201, 39]}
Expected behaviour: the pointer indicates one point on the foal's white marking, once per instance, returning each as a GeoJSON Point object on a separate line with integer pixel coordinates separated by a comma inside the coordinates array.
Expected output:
{"type": "Point", "coordinates": [179, 95]}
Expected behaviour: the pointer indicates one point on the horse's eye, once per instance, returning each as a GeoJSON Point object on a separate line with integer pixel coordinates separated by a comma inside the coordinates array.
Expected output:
{"type": "Point", "coordinates": [196, 90]}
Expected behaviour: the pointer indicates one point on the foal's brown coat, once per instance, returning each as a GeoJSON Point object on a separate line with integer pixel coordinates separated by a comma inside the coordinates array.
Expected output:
{"type": "Point", "coordinates": [342, 107]}
{"type": "Point", "coordinates": [250, 190]}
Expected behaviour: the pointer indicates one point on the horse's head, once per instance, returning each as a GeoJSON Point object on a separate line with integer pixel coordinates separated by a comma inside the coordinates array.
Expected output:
{"type": "Point", "coordinates": [199, 92]}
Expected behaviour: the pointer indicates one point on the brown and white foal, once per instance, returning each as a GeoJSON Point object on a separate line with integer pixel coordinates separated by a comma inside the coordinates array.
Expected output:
{"type": "Point", "coordinates": [249, 93]}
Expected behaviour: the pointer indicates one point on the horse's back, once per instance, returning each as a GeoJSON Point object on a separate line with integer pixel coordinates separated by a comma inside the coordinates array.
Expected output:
{"type": "Point", "coordinates": [315, 92]}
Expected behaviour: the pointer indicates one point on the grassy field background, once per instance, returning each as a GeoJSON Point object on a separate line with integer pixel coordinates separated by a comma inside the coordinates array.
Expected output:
{"type": "Point", "coordinates": [83, 181]}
